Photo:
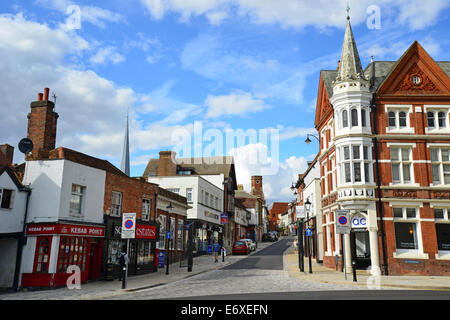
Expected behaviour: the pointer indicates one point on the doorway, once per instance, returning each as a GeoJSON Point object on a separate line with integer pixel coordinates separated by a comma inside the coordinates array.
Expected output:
{"type": "Point", "coordinates": [360, 246]}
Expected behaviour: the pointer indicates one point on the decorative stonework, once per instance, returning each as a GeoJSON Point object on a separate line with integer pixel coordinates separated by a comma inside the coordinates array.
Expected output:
{"type": "Point", "coordinates": [410, 83]}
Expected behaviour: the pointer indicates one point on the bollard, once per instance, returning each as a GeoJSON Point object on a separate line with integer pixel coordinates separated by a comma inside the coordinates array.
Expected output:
{"type": "Point", "coordinates": [354, 270]}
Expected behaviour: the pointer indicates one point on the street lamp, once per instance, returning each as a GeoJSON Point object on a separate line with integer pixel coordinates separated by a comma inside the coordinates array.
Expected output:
{"type": "Point", "coordinates": [308, 141]}
{"type": "Point", "coordinates": [169, 207]}
{"type": "Point", "coordinates": [307, 207]}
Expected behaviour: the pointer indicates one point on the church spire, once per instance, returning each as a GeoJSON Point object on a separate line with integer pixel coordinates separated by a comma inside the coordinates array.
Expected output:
{"type": "Point", "coordinates": [350, 67]}
{"type": "Point", "coordinates": [125, 162]}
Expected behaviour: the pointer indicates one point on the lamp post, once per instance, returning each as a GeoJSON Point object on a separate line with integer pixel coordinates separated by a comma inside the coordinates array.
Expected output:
{"type": "Point", "coordinates": [308, 141]}
{"type": "Point", "coordinates": [307, 207]}
{"type": "Point", "coordinates": [169, 207]}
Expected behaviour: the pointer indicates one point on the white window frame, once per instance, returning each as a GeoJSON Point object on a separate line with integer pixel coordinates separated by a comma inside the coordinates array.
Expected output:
{"type": "Point", "coordinates": [397, 109]}
{"type": "Point", "coordinates": [162, 232]}
{"type": "Point", "coordinates": [436, 109]}
{"type": "Point", "coordinates": [189, 194]}
{"type": "Point", "coordinates": [409, 253]}
{"type": "Point", "coordinates": [441, 165]}
{"type": "Point", "coordinates": [11, 200]}
{"type": "Point", "coordinates": [119, 205]}
{"type": "Point", "coordinates": [146, 209]}
{"type": "Point", "coordinates": [81, 195]}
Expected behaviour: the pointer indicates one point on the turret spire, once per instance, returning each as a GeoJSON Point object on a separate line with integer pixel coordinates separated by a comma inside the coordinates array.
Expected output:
{"type": "Point", "coordinates": [350, 67]}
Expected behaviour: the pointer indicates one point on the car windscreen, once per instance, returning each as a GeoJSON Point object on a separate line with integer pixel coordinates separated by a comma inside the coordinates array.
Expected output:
{"type": "Point", "coordinates": [239, 243]}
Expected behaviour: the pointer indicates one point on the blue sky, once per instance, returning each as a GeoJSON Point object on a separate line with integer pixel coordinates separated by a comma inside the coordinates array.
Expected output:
{"type": "Point", "coordinates": [231, 64]}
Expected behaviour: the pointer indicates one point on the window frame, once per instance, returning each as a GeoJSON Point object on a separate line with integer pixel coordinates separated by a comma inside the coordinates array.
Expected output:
{"type": "Point", "coordinates": [10, 199]}
{"type": "Point", "coordinates": [436, 111]}
{"type": "Point", "coordinates": [400, 162]}
{"type": "Point", "coordinates": [81, 195]}
{"type": "Point", "coordinates": [116, 206]}
{"type": "Point", "coordinates": [396, 110]}
{"type": "Point", "coordinates": [441, 165]}
{"type": "Point", "coordinates": [146, 209]}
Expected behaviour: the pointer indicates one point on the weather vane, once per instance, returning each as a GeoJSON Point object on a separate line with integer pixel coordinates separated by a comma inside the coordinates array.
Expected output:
{"type": "Point", "coordinates": [348, 11]}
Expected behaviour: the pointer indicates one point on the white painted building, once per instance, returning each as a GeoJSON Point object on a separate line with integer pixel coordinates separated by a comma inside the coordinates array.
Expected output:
{"type": "Point", "coordinates": [13, 202]}
{"type": "Point", "coordinates": [65, 211]}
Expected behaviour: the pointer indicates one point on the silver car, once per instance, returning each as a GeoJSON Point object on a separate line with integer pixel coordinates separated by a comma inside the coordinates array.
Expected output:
{"type": "Point", "coordinates": [250, 244]}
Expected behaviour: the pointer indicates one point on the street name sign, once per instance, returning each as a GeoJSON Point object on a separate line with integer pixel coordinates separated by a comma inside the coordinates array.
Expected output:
{"type": "Point", "coordinates": [343, 225]}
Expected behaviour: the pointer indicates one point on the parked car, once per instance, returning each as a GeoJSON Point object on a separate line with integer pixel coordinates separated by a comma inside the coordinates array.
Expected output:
{"type": "Point", "coordinates": [275, 234]}
{"type": "Point", "coordinates": [240, 247]}
{"type": "Point", "coordinates": [250, 244]}
{"type": "Point", "coordinates": [268, 237]}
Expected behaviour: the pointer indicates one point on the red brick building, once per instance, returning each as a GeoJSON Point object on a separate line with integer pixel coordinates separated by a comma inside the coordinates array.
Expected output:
{"type": "Point", "coordinates": [274, 214]}
{"type": "Point", "coordinates": [384, 156]}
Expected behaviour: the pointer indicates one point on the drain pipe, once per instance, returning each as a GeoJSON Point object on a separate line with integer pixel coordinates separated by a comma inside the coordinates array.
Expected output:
{"type": "Point", "coordinates": [380, 204]}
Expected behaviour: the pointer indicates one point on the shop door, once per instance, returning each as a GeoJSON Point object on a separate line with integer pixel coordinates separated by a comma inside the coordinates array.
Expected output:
{"type": "Point", "coordinates": [132, 256]}
{"type": "Point", "coordinates": [360, 245]}
{"type": "Point", "coordinates": [94, 260]}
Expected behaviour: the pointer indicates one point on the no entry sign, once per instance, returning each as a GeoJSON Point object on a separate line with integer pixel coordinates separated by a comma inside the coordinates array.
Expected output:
{"type": "Point", "coordinates": [343, 225]}
{"type": "Point", "coordinates": [128, 226]}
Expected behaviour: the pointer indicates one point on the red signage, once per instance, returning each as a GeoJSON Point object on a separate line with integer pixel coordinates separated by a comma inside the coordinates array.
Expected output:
{"type": "Point", "coordinates": [66, 229]}
{"type": "Point", "coordinates": [145, 232]}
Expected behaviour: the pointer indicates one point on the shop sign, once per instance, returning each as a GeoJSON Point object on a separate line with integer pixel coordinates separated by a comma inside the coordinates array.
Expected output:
{"type": "Point", "coordinates": [223, 218]}
{"type": "Point", "coordinates": [359, 221]}
{"type": "Point", "coordinates": [66, 229]}
{"type": "Point", "coordinates": [145, 232]}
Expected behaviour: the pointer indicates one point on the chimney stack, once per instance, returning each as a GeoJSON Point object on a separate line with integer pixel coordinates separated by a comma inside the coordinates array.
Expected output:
{"type": "Point", "coordinates": [8, 154]}
{"type": "Point", "coordinates": [257, 189]}
{"type": "Point", "coordinates": [42, 121]}
{"type": "Point", "coordinates": [167, 166]}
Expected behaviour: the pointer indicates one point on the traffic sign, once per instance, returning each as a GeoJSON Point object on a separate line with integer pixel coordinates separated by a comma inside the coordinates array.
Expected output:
{"type": "Point", "coordinates": [343, 225]}
{"type": "Point", "coordinates": [168, 235]}
{"type": "Point", "coordinates": [129, 226]}
{"type": "Point", "coordinates": [308, 232]}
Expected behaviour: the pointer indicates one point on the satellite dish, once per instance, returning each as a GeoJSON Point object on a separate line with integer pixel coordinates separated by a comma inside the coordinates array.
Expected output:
{"type": "Point", "coordinates": [25, 145]}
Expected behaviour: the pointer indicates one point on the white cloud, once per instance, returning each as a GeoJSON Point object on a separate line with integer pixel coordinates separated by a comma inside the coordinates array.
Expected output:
{"type": "Point", "coordinates": [417, 14]}
{"type": "Point", "coordinates": [91, 14]}
{"type": "Point", "coordinates": [276, 186]}
{"type": "Point", "coordinates": [107, 54]}
{"type": "Point", "coordinates": [239, 103]}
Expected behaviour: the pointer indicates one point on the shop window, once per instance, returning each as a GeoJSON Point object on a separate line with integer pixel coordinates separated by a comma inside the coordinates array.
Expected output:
{"type": "Point", "coordinates": [146, 209]}
{"type": "Point", "coordinates": [42, 256]}
{"type": "Point", "coordinates": [180, 234]}
{"type": "Point", "coordinates": [443, 236]}
{"type": "Point", "coordinates": [114, 249]}
{"type": "Point", "coordinates": [6, 198]}
{"type": "Point", "coordinates": [162, 233]}
{"type": "Point", "coordinates": [405, 224]}
{"type": "Point", "coordinates": [72, 251]}
{"type": "Point", "coordinates": [145, 255]}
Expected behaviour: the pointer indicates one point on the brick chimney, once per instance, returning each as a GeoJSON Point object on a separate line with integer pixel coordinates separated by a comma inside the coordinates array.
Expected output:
{"type": "Point", "coordinates": [42, 121]}
{"type": "Point", "coordinates": [257, 188]}
{"type": "Point", "coordinates": [167, 165]}
{"type": "Point", "coordinates": [6, 158]}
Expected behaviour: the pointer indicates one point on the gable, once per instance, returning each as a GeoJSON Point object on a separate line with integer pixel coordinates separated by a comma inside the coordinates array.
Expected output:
{"type": "Point", "coordinates": [323, 106]}
{"type": "Point", "coordinates": [416, 74]}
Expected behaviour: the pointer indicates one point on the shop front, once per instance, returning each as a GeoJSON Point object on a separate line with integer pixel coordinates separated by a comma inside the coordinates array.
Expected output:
{"type": "Point", "coordinates": [204, 235]}
{"type": "Point", "coordinates": [141, 253]}
{"type": "Point", "coordinates": [58, 246]}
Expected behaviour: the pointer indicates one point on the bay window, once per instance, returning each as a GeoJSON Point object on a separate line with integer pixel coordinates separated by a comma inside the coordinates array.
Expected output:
{"type": "Point", "coordinates": [355, 164]}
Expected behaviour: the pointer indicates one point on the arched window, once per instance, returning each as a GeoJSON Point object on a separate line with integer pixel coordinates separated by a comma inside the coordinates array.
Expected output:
{"type": "Point", "coordinates": [402, 119]}
{"type": "Point", "coordinates": [391, 118]}
{"type": "Point", "coordinates": [344, 119]}
{"type": "Point", "coordinates": [363, 117]}
{"type": "Point", "coordinates": [430, 119]}
{"type": "Point", "coordinates": [354, 117]}
{"type": "Point", "coordinates": [441, 119]}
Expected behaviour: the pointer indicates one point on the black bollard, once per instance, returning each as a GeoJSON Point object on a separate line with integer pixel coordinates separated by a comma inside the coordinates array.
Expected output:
{"type": "Point", "coordinates": [354, 270]}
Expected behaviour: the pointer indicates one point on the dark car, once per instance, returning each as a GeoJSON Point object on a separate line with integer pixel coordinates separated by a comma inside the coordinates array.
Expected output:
{"type": "Point", "coordinates": [275, 234]}
{"type": "Point", "coordinates": [240, 247]}
{"type": "Point", "coordinates": [268, 237]}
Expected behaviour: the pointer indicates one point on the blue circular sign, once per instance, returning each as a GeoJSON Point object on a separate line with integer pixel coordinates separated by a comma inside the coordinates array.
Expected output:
{"type": "Point", "coordinates": [342, 220]}
{"type": "Point", "coordinates": [129, 224]}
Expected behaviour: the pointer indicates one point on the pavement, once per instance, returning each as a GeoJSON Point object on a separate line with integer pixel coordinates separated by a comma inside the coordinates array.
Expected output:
{"type": "Point", "coordinates": [323, 274]}
{"type": "Point", "coordinates": [202, 264]}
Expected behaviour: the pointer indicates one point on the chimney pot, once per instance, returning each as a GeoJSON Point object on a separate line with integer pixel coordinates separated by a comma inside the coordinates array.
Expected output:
{"type": "Point", "coordinates": [46, 93]}
{"type": "Point", "coordinates": [40, 95]}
